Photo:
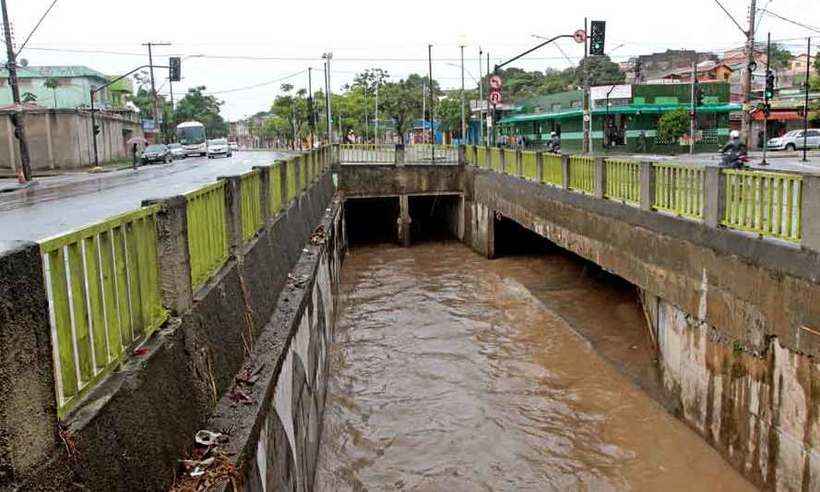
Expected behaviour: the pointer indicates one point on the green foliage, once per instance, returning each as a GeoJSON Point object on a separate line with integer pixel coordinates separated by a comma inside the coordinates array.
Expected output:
{"type": "Point", "coordinates": [197, 106]}
{"type": "Point", "coordinates": [817, 64]}
{"type": "Point", "coordinates": [781, 57]}
{"type": "Point", "coordinates": [673, 125]}
{"type": "Point", "coordinates": [599, 70]}
{"type": "Point", "coordinates": [28, 97]}
{"type": "Point", "coordinates": [521, 84]}
{"type": "Point", "coordinates": [448, 113]}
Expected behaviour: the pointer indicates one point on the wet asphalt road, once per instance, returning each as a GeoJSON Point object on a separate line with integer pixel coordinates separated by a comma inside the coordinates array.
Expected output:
{"type": "Point", "coordinates": [35, 214]}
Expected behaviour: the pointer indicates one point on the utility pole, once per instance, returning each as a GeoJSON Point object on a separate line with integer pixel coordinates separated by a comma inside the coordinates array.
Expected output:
{"type": "Point", "coordinates": [327, 57]}
{"type": "Point", "coordinates": [806, 101]}
{"type": "Point", "coordinates": [24, 173]}
{"type": "Point", "coordinates": [490, 116]}
{"type": "Point", "coordinates": [746, 88]}
{"type": "Point", "coordinates": [693, 106]}
{"type": "Point", "coordinates": [311, 115]}
{"type": "Point", "coordinates": [587, 113]}
{"type": "Point", "coordinates": [153, 85]}
{"type": "Point", "coordinates": [463, 121]}
{"type": "Point", "coordinates": [430, 83]}
{"type": "Point", "coordinates": [480, 99]}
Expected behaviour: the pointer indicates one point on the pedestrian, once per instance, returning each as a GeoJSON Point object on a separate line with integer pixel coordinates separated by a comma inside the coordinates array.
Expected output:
{"type": "Point", "coordinates": [642, 141]}
{"type": "Point", "coordinates": [134, 154]}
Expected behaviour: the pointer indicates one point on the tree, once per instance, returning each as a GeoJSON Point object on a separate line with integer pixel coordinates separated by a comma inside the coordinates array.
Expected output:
{"type": "Point", "coordinates": [448, 114]}
{"type": "Point", "coordinates": [599, 70]}
{"type": "Point", "coordinates": [781, 57]}
{"type": "Point", "coordinates": [197, 106]}
{"type": "Point", "coordinates": [673, 125]}
{"type": "Point", "coordinates": [402, 101]}
{"type": "Point", "coordinates": [52, 83]}
{"type": "Point", "coordinates": [817, 64]}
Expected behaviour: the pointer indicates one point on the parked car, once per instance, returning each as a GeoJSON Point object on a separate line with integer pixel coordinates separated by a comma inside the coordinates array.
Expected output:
{"type": "Point", "coordinates": [234, 146]}
{"type": "Point", "coordinates": [177, 151]}
{"type": "Point", "coordinates": [793, 140]}
{"type": "Point", "coordinates": [157, 153]}
{"type": "Point", "coordinates": [217, 147]}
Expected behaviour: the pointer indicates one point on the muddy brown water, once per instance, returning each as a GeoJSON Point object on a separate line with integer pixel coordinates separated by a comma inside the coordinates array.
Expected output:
{"type": "Point", "coordinates": [453, 372]}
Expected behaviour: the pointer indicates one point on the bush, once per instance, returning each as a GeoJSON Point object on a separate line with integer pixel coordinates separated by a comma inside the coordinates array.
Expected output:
{"type": "Point", "coordinates": [673, 125]}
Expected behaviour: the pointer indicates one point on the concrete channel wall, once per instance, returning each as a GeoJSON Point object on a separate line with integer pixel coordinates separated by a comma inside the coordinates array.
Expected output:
{"type": "Point", "coordinates": [130, 431]}
{"type": "Point", "coordinates": [736, 318]}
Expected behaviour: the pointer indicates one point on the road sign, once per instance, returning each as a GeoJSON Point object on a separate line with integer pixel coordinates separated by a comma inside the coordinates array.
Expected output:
{"type": "Point", "coordinates": [580, 36]}
{"type": "Point", "coordinates": [495, 98]}
{"type": "Point", "coordinates": [495, 82]}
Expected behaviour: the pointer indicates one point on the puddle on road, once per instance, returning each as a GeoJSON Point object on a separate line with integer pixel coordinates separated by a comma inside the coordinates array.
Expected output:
{"type": "Point", "coordinates": [448, 373]}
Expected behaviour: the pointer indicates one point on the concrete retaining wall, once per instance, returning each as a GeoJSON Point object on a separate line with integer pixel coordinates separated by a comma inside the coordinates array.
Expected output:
{"type": "Point", "coordinates": [131, 430]}
{"type": "Point", "coordinates": [738, 318]}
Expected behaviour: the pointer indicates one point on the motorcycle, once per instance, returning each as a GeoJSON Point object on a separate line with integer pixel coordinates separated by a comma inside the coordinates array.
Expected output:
{"type": "Point", "coordinates": [734, 159]}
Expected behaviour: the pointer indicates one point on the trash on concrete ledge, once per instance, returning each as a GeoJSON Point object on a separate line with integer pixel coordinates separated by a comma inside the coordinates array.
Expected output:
{"type": "Point", "coordinates": [319, 236]}
{"type": "Point", "coordinates": [207, 438]}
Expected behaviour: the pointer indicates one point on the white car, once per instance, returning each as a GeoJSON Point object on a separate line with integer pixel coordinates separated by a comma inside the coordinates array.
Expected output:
{"type": "Point", "coordinates": [177, 150]}
{"type": "Point", "coordinates": [217, 147]}
{"type": "Point", "coordinates": [793, 140]}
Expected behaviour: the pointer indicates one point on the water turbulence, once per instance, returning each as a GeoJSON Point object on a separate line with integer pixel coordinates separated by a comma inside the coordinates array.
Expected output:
{"type": "Point", "coordinates": [453, 372]}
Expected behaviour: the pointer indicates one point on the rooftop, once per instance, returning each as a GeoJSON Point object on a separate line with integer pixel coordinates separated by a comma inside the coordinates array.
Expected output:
{"type": "Point", "coordinates": [70, 71]}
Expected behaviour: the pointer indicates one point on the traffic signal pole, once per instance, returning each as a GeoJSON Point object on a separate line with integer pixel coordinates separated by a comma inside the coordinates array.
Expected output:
{"type": "Point", "coordinates": [694, 106]}
{"type": "Point", "coordinates": [767, 95]}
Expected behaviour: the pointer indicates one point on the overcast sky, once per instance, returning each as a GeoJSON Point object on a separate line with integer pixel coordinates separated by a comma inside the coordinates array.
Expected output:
{"type": "Point", "coordinates": [281, 39]}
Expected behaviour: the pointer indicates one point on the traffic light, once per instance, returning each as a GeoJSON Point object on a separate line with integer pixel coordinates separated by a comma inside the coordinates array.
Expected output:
{"type": "Point", "coordinates": [698, 94]}
{"type": "Point", "coordinates": [596, 37]}
{"type": "Point", "coordinates": [768, 94]}
{"type": "Point", "coordinates": [174, 69]}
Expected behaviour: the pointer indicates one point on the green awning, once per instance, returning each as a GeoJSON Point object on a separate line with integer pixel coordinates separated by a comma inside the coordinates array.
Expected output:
{"type": "Point", "coordinates": [630, 109]}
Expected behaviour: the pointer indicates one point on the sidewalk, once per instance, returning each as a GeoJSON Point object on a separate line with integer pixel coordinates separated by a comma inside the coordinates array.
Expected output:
{"type": "Point", "coordinates": [778, 161]}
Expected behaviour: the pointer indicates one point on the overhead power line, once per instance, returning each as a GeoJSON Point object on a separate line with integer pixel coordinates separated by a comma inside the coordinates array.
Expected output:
{"type": "Point", "coordinates": [256, 86]}
{"type": "Point", "coordinates": [791, 21]}
{"type": "Point", "coordinates": [36, 26]}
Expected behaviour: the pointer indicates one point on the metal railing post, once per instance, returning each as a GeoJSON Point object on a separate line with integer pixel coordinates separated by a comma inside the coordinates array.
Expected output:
{"type": "Point", "coordinates": [539, 167]}
{"type": "Point", "coordinates": [233, 211]}
{"type": "Point", "coordinates": [462, 155]}
{"type": "Point", "coordinates": [502, 159]}
{"type": "Point", "coordinates": [519, 163]}
{"type": "Point", "coordinates": [264, 191]}
{"type": "Point", "coordinates": [400, 155]}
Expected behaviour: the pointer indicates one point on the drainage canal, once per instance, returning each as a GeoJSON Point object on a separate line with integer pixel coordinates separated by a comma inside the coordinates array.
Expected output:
{"type": "Point", "coordinates": [450, 371]}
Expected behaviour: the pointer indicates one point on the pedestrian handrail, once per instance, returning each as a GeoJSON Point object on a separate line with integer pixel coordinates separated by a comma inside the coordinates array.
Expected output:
{"type": "Point", "coordinates": [207, 232]}
{"type": "Point", "coordinates": [481, 157]}
{"type": "Point", "coordinates": [765, 203]}
{"type": "Point", "coordinates": [368, 153]}
{"type": "Point", "coordinates": [495, 159]}
{"type": "Point", "coordinates": [552, 171]}
{"type": "Point", "coordinates": [275, 191]}
{"type": "Point", "coordinates": [679, 189]}
{"type": "Point", "coordinates": [582, 174]}
{"type": "Point", "coordinates": [510, 166]}
{"type": "Point", "coordinates": [102, 283]}
{"type": "Point", "coordinates": [424, 153]}
{"type": "Point", "coordinates": [290, 180]}
{"type": "Point", "coordinates": [623, 181]}
{"type": "Point", "coordinates": [251, 203]}
{"type": "Point", "coordinates": [529, 165]}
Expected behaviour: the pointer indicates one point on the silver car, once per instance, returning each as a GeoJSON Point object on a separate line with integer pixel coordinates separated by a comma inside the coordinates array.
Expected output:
{"type": "Point", "coordinates": [177, 151]}
{"type": "Point", "coordinates": [219, 146]}
{"type": "Point", "coordinates": [793, 140]}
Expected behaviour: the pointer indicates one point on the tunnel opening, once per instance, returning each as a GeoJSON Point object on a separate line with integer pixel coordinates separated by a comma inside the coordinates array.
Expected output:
{"type": "Point", "coordinates": [602, 307]}
{"type": "Point", "coordinates": [371, 220]}
{"type": "Point", "coordinates": [434, 217]}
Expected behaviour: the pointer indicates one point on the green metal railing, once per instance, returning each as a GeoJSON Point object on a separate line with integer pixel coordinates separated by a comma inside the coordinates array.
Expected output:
{"type": "Point", "coordinates": [207, 232]}
{"type": "Point", "coordinates": [552, 172]}
{"type": "Point", "coordinates": [251, 204]}
{"type": "Point", "coordinates": [768, 204]}
{"type": "Point", "coordinates": [103, 289]}
{"type": "Point", "coordinates": [529, 165]}
{"type": "Point", "coordinates": [495, 159]}
{"type": "Point", "coordinates": [368, 153]}
{"type": "Point", "coordinates": [623, 181]}
{"type": "Point", "coordinates": [510, 162]}
{"type": "Point", "coordinates": [275, 189]}
{"type": "Point", "coordinates": [291, 180]}
{"type": "Point", "coordinates": [679, 189]}
{"type": "Point", "coordinates": [582, 174]}
{"type": "Point", "coordinates": [481, 156]}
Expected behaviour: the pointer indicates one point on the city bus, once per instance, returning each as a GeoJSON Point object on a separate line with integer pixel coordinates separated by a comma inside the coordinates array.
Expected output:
{"type": "Point", "coordinates": [191, 134]}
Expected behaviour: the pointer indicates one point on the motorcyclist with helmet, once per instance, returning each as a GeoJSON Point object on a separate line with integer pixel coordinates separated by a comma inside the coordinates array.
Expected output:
{"type": "Point", "coordinates": [734, 152]}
